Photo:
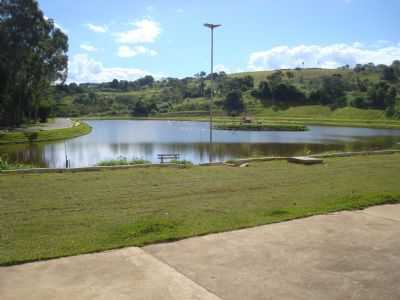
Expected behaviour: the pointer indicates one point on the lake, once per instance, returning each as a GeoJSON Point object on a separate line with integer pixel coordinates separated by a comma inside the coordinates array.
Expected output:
{"type": "Point", "coordinates": [145, 139]}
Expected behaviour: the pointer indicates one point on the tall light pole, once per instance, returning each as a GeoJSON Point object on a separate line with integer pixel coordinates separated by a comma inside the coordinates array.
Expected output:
{"type": "Point", "coordinates": [212, 27]}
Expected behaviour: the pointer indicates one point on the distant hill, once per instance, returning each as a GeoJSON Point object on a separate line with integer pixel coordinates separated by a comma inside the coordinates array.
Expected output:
{"type": "Point", "coordinates": [363, 87]}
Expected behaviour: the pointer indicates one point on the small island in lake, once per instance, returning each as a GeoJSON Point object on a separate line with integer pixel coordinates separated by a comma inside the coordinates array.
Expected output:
{"type": "Point", "coordinates": [260, 127]}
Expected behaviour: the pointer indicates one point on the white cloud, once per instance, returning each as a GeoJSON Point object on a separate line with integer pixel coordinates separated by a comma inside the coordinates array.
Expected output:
{"type": "Point", "coordinates": [221, 68]}
{"type": "Point", "coordinates": [88, 47]}
{"type": "Point", "coordinates": [126, 51]}
{"type": "Point", "coordinates": [144, 31]}
{"type": "Point", "coordinates": [97, 28]}
{"type": "Point", "coordinates": [331, 56]}
{"type": "Point", "coordinates": [83, 69]}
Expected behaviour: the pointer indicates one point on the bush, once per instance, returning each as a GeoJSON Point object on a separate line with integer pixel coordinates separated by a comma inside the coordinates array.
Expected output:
{"type": "Point", "coordinates": [4, 164]}
{"type": "Point", "coordinates": [358, 102]}
{"type": "Point", "coordinates": [122, 161]}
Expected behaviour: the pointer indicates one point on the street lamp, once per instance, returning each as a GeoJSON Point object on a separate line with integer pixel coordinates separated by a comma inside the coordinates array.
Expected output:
{"type": "Point", "coordinates": [212, 27]}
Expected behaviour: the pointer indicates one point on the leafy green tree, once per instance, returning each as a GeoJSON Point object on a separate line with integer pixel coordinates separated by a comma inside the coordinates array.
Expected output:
{"type": "Point", "coordinates": [333, 91]}
{"type": "Point", "coordinates": [388, 74]}
{"type": "Point", "coordinates": [264, 92]}
{"type": "Point", "coordinates": [275, 78]}
{"type": "Point", "coordinates": [140, 109]}
{"type": "Point", "coordinates": [201, 82]}
{"type": "Point", "coordinates": [359, 102]}
{"type": "Point", "coordinates": [148, 80]}
{"type": "Point", "coordinates": [32, 57]}
{"type": "Point", "coordinates": [233, 103]}
{"type": "Point", "coordinates": [381, 95]}
{"type": "Point", "coordinates": [286, 94]}
{"type": "Point", "coordinates": [115, 84]}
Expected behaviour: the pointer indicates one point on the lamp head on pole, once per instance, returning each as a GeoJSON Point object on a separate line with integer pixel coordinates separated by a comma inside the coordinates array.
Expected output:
{"type": "Point", "coordinates": [212, 26]}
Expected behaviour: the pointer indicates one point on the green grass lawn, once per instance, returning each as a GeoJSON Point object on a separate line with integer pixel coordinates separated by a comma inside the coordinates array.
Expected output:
{"type": "Point", "coordinates": [45, 135]}
{"type": "Point", "coordinates": [45, 216]}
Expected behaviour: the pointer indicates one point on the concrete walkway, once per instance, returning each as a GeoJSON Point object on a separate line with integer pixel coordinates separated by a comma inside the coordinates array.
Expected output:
{"type": "Point", "coordinates": [348, 255]}
{"type": "Point", "coordinates": [58, 123]}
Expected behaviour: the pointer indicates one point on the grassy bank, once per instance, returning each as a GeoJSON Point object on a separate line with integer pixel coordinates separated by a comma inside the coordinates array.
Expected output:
{"type": "Point", "coordinates": [45, 135]}
{"type": "Point", "coordinates": [86, 212]}
{"type": "Point", "coordinates": [260, 127]}
{"type": "Point", "coordinates": [294, 116]}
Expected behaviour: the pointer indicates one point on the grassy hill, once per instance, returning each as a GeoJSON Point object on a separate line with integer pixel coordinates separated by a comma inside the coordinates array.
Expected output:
{"type": "Point", "coordinates": [187, 98]}
{"type": "Point", "coordinates": [310, 74]}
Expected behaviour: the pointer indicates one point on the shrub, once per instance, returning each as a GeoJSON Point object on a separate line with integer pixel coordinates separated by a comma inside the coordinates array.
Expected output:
{"type": "Point", "coordinates": [4, 164]}
{"type": "Point", "coordinates": [122, 161]}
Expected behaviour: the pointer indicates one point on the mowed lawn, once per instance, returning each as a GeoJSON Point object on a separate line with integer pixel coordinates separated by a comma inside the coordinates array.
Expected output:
{"type": "Point", "coordinates": [51, 215]}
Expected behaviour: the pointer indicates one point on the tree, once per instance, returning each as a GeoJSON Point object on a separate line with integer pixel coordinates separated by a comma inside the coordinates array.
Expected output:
{"type": "Point", "coordinates": [147, 80]}
{"type": "Point", "coordinates": [233, 103]}
{"type": "Point", "coordinates": [388, 74]}
{"type": "Point", "coordinates": [286, 94]}
{"type": "Point", "coordinates": [32, 57]}
{"type": "Point", "coordinates": [140, 109]}
{"type": "Point", "coordinates": [381, 95]}
{"type": "Point", "coordinates": [333, 91]}
{"type": "Point", "coordinates": [275, 78]}
{"type": "Point", "coordinates": [358, 102]}
{"type": "Point", "coordinates": [264, 92]}
{"type": "Point", "coordinates": [115, 84]}
{"type": "Point", "coordinates": [201, 78]}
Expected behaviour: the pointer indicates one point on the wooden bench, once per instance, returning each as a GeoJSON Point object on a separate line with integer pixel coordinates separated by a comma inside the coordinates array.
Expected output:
{"type": "Point", "coordinates": [165, 157]}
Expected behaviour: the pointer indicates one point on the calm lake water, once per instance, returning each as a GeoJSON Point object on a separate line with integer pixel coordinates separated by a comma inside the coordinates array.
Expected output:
{"type": "Point", "coordinates": [146, 139]}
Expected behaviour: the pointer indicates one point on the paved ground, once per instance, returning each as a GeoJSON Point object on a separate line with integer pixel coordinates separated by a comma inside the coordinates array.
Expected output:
{"type": "Point", "coordinates": [122, 274]}
{"type": "Point", "coordinates": [58, 123]}
{"type": "Point", "coordinates": [349, 255]}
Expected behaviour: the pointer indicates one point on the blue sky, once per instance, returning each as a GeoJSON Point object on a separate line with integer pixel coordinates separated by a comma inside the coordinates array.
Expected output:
{"type": "Point", "coordinates": [128, 39]}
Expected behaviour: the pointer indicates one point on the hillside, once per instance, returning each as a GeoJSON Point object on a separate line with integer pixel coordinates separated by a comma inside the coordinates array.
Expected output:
{"type": "Point", "coordinates": [366, 92]}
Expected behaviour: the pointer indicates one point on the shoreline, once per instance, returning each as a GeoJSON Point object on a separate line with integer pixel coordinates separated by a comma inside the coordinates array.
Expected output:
{"type": "Point", "coordinates": [232, 163]}
{"type": "Point", "coordinates": [274, 121]}
{"type": "Point", "coordinates": [20, 137]}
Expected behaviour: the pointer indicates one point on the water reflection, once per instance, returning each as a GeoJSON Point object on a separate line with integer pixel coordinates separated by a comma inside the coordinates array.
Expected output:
{"type": "Point", "coordinates": [146, 139]}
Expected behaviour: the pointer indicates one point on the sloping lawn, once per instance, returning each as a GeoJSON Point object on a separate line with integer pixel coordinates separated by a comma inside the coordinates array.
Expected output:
{"type": "Point", "coordinates": [52, 215]}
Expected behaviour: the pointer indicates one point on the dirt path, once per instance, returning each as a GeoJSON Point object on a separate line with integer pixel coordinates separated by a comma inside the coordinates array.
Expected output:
{"type": "Point", "coordinates": [58, 123]}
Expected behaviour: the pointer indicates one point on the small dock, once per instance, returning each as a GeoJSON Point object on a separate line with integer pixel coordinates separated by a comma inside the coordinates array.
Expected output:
{"type": "Point", "coordinates": [305, 160]}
